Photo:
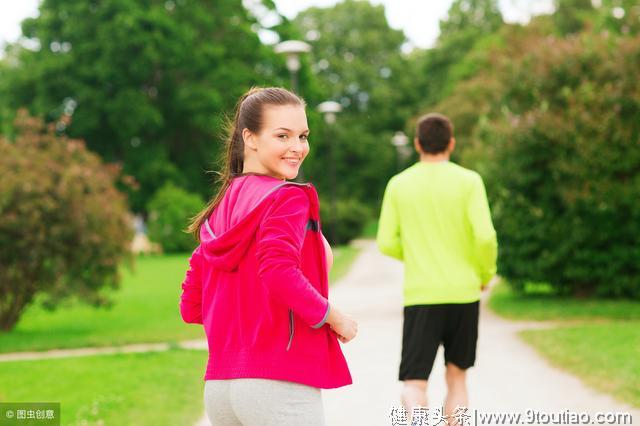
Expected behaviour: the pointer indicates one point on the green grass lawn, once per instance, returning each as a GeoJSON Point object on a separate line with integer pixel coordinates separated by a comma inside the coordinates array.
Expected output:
{"type": "Point", "coordinates": [597, 340]}
{"type": "Point", "coordinates": [541, 305]}
{"type": "Point", "coordinates": [153, 388]}
{"type": "Point", "coordinates": [606, 356]}
{"type": "Point", "coordinates": [145, 310]}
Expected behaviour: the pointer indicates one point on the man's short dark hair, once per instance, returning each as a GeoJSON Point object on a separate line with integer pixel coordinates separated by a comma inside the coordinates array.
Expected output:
{"type": "Point", "coordinates": [434, 131]}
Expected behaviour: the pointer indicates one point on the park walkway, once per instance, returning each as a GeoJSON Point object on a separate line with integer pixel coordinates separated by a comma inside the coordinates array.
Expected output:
{"type": "Point", "coordinates": [105, 350]}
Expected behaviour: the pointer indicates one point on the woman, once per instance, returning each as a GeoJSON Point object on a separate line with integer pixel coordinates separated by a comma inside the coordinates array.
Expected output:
{"type": "Point", "coordinates": [258, 279]}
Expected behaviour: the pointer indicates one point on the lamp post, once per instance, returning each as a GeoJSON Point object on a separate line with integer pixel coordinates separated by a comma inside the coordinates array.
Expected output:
{"type": "Point", "coordinates": [293, 49]}
{"type": "Point", "coordinates": [329, 109]}
{"type": "Point", "coordinates": [400, 141]}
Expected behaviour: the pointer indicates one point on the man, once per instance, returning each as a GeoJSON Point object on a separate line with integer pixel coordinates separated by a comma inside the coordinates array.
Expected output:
{"type": "Point", "coordinates": [435, 218]}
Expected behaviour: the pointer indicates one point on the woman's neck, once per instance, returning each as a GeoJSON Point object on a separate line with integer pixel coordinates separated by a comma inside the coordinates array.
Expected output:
{"type": "Point", "coordinates": [252, 167]}
{"type": "Point", "coordinates": [258, 174]}
{"type": "Point", "coordinates": [257, 170]}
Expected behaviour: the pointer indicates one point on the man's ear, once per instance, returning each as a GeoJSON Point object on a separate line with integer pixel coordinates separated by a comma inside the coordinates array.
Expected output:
{"type": "Point", "coordinates": [416, 145]}
{"type": "Point", "coordinates": [249, 139]}
{"type": "Point", "coordinates": [452, 144]}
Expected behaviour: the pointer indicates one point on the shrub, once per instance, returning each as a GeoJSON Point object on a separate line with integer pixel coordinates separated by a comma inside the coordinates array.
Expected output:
{"type": "Point", "coordinates": [350, 215]}
{"type": "Point", "coordinates": [64, 228]}
{"type": "Point", "coordinates": [169, 212]}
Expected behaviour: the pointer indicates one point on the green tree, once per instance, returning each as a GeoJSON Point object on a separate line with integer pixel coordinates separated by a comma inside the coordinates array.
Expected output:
{"type": "Point", "coordinates": [468, 24]}
{"type": "Point", "coordinates": [145, 83]}
{"type": "Point", "coordinates": [64, 228]}
{"type": "Point", "coordinates": [571, 16]}
{"type": "Point", "coordinates": [618, 16]}
{"type": "Point", "coordinates": [470, 16]}
{"type": "Point", "coordinates": [476, 97]}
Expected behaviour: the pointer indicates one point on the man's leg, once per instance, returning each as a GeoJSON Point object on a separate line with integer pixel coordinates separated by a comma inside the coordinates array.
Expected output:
{"type": "Point", "coordinates": [456, 390]}
{"type": "Point", "coordinates": [460, 341]}
{"type": "Point", "coordinates": [422, 329]}
{"type": "Point", "coordinates": [414, 394]}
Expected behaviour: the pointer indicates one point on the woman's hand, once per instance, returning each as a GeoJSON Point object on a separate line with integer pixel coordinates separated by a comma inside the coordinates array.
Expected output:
{"type": "Point", "coordinates": [343, 325]}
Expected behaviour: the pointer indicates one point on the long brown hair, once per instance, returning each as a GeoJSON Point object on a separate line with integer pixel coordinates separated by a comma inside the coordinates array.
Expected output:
{"type": "Point", "coordinates": [248, 115]}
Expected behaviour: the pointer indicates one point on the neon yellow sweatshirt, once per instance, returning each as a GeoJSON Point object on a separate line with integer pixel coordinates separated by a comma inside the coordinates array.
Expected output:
{"type": "Point", "coordinates": [435, 218]}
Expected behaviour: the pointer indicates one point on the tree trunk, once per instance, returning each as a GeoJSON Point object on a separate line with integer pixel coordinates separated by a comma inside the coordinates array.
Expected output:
{"type": "Point", "coordinates": [11, 309]}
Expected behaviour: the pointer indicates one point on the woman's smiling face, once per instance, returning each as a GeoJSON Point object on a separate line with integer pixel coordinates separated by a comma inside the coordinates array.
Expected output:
{"type": "Point", "coordinates": [281, 145]}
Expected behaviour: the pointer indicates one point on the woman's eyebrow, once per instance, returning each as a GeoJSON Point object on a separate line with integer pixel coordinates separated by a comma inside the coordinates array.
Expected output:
{"type": "Point", "coordinates": [289, 130]}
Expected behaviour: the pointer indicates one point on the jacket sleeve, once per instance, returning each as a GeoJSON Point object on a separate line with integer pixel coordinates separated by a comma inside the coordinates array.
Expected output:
{"type": "Point", "coordinates": [388, 237]}
{"type": "Point", "coordinates": [484, 235]}
{"type": "Point", "coordinates": [279, 247]}
{"type": "Point", "coordinates": [191, 298]}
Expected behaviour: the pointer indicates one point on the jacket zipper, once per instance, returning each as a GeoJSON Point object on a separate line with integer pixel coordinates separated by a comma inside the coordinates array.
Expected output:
{"type": "Point", "coordinates": [290, 329]}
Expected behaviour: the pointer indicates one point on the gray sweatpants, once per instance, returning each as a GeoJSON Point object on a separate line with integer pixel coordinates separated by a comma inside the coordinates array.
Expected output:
{"type": "Point", "coordinates": [258, 402]}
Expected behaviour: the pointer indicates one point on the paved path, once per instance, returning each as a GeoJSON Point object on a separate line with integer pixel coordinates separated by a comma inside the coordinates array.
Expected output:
{"type": "Point", "coordinates": [509, 376]}
{"type": "Point", "coordinates": [107, 350]}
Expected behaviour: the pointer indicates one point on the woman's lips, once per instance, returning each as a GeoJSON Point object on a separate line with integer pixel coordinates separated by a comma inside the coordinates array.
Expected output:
{"type": "Point", "coordinates": [292, 161]}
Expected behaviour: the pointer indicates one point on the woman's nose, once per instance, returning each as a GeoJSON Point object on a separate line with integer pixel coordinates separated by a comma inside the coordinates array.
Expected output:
{"type": "Point", "coordinates": [297, 146]}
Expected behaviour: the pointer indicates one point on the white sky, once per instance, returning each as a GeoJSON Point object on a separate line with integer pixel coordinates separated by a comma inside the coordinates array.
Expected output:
{"type": "Point", "coordinates": [418, 18]}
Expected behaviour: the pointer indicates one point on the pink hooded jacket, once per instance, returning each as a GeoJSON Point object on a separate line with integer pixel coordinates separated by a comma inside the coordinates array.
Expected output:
{"type": "Point", "coordinates": [258, 283]}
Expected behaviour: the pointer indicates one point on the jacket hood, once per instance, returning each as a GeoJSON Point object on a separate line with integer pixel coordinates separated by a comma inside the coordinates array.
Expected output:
{"type": "Point", "coordinates": [228, 232]}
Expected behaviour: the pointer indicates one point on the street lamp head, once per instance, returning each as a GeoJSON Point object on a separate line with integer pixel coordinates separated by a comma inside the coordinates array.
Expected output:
{"type": "Point", "coordinates": [399, 139]}
{"type": "Point", "coordinates": [329, 106]}
{"type": "Point", "coordinates": [293, 49]}
{"type": "Point", "coordinates": [329, 109]}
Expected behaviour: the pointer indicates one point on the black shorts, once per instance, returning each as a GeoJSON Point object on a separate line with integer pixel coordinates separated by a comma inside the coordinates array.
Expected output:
{"type": "Point", "coordinates": [426, 326]}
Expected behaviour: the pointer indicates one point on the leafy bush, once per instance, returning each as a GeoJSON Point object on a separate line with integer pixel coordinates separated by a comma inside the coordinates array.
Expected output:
{"type": "Point", "coordinates": [559, 147]}
{"type": "Point", "coordinates": [169, 212]}
{"type": "Point", "coordinates": [350, 216]}
{"type": "Point", "coordinates": [64, 228]}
